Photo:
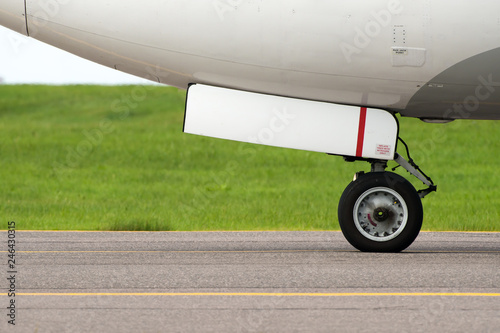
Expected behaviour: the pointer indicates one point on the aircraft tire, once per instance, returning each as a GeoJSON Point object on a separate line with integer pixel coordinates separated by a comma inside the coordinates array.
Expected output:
{"type": "Point", "coordinates": [380, 212]}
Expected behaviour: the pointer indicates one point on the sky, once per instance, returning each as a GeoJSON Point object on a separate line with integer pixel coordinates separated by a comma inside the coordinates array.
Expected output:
{"type": "Point", "coordinates": [26, 60]}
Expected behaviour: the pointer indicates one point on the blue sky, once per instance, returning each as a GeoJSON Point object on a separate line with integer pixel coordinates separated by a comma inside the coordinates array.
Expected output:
{"type": "Point", "coordinates": [25, 60]}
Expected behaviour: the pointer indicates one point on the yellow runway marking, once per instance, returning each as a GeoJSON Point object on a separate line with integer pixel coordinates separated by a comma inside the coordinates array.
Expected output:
{"type": "Point", "coordinates": [270, 294]}
{"type": "Point", "coordinates": [234, 231]}
{"type": "Point", "coordinates": [185, 231]}
{"type": "Point", "coordinates": [174, 251]}
{"type": "Point", "coordinates": [247, 251]}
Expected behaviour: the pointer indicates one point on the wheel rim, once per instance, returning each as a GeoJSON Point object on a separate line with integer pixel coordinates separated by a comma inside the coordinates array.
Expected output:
{"type": "Point", "coordinates": [380, 214]}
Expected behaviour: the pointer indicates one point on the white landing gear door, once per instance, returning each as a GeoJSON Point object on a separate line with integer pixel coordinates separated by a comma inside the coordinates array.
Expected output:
{"type": "Point", "coordinates": [290, 123]}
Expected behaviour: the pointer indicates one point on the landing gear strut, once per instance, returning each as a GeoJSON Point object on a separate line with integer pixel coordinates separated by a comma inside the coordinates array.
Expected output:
{"type": "Point", "coordinates": [381, 211]}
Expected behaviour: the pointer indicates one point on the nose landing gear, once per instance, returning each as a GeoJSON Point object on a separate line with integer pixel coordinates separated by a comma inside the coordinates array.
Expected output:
{"type": "Point", "coordinates": [381, 211]}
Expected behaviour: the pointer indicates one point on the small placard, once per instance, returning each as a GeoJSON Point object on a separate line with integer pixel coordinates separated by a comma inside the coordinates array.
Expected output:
{"type": "Point", "coordinates": [383, 150]}
{"type": "Point", "coordinates": [408, 56]}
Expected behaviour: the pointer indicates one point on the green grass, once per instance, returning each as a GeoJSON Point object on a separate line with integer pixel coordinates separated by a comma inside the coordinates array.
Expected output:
{"type": "Point", "coordinates": [115, 158]}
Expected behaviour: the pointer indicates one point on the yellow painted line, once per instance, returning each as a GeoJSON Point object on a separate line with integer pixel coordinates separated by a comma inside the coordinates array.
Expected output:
{"type": "Point", "coordinates": [162, 252]}
{"type": "Point", "coordinates": [270, 294]}
{"type": "Point", "coordinates": [173, 232]}
{"type": "Point", "coordinates": [251, 251]}
{"type": "Point", "coordinates": [234, 231]}
{"type": "Point", "coordinates": [460, 232]}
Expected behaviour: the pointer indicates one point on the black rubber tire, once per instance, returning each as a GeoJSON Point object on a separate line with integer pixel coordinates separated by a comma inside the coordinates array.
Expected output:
{"type": "Point", "coordinates": [369, 181]}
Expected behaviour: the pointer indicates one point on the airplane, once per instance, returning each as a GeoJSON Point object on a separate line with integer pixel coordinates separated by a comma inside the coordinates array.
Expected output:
{"type": "Point", "coordinates": [326, 76]}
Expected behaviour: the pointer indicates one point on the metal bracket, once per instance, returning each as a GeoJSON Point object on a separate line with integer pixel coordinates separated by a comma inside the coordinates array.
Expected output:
{"type": "Point", "coordinates": [423, 193]}
{"type": "Point", "coordinates": [408, 167]}
{"type": "Point", "coordinates": [411, 169]}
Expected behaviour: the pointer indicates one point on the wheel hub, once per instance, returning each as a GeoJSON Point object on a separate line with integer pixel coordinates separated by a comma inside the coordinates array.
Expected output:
{"type": "Point", "coordinates": [380, 214]}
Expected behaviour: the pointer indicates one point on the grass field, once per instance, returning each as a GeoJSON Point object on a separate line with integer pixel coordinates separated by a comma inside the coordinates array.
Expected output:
{"type": "Point", "coordinates": [115, 158]}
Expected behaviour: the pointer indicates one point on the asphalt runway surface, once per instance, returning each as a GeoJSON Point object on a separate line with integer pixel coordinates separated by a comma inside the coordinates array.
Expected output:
{"type": "Point", "coordinates": [249, 282]}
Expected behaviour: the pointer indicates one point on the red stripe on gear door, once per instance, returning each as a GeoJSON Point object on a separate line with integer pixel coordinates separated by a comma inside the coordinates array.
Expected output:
{"type": "Point", "coordinates": [361, 132]}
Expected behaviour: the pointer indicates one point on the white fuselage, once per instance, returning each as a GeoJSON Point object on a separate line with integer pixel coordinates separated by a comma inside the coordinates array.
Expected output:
{"type": "Point", "coordinates": [426, 59]}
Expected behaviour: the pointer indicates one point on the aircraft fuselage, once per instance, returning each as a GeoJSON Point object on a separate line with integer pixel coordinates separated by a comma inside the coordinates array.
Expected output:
{"type": "Point", "coordinates": [418, 58]}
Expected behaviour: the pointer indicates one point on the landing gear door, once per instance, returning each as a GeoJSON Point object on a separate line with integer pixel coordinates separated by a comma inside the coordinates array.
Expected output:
{"type": "Point", "coordinates": [290, 123]}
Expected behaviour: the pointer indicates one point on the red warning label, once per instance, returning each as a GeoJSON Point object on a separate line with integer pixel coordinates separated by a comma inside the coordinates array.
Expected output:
{"type": "Point", "coordinates": [383, 150]}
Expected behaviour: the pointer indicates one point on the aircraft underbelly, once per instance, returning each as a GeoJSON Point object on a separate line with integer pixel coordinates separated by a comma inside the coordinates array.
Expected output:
{"type": "Point", "coordinates": [467, 90]}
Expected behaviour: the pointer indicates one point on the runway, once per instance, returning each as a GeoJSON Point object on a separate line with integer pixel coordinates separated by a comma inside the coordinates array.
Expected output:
{"type": "Point", "coordinates": [250, 282]}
